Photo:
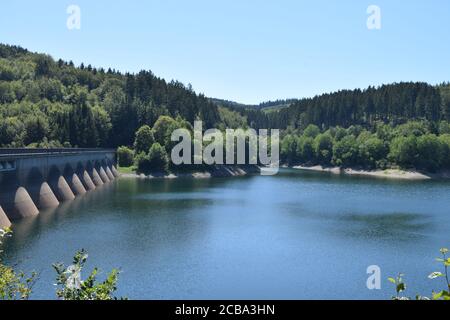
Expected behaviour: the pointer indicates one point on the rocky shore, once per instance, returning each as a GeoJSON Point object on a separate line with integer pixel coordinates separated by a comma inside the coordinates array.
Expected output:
{"type": "Point", "coordinates": [213, 171]}
{"type": "Point", "coordinates": [388, 173]}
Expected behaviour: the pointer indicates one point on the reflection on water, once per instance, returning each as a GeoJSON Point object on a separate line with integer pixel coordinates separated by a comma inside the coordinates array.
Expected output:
{"type": "Point", "coordinates": [244, 237]}
{"type": "Point", "coordinates": [371, 227]}
{"type": "Point", "coordinates": [392, 227]}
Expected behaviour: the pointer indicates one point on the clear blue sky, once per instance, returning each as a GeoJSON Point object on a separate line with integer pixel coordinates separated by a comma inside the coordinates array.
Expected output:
{"type": "Point", "coordinates": [244, 50]}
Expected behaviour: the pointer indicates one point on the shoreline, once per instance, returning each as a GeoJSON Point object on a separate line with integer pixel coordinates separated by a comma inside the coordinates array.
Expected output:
{"type": "Point", "coordinates": [221, 171]}
{"type": "Point", "coordinates": [396, 174]}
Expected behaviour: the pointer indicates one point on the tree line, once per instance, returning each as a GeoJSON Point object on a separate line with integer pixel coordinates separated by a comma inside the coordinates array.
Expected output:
{"type": "Point", "coordinates": [44, 102]}
{"type": "Point", "coordinates": [53, 103]}
{"type": "Point", "coordinates": [415, 144]}
{"type": "Point", "coordinates": [394, 104]}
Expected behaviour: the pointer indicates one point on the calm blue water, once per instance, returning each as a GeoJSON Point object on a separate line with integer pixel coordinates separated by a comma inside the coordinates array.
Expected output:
{"type": "Point", "coordinates": [296, 235]}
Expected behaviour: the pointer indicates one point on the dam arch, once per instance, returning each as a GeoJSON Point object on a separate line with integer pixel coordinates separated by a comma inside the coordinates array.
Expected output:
{"type": "Point", "coordinates": [38, 179]}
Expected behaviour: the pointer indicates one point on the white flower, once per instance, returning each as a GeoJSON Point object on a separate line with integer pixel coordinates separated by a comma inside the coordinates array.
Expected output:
{"type": "Point", "coordinates": [74, 280]}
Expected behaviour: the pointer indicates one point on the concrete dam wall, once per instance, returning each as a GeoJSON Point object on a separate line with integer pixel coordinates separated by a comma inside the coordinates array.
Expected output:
{"type": "Point", "coordinates": [38, 179]}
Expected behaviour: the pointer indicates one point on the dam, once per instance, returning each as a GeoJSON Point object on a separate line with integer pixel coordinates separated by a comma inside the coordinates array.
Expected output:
{"type": "Point", "coordinates": [36, 179]}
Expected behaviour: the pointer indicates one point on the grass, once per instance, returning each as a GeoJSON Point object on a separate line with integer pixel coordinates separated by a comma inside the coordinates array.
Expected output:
{"type": "Point", "coordinates": [127, 170]}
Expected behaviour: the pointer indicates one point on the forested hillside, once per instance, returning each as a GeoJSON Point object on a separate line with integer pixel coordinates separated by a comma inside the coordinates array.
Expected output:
{"type": "Point", "coordinates": [47, 102]}
{"type": "Point", "coordinates": [44, 102]}
{"type": "Point", "coordinates": [394, 104]}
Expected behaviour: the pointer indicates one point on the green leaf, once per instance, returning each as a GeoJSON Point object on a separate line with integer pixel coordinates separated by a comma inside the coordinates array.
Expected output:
{"type": "Point", "coordinates": [437, 296]}
{"type": "Point", "coordinates": [444, 250]}
{"type": "Point", "coordinates": [401, 287]}
{"type": "Point", "coordinates": [445, 295]}
{"type": "Point", "coordinates": [392, 280]}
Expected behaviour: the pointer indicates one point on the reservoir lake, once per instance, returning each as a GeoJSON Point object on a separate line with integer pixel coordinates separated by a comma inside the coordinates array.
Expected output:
{"type": "Point", "coordinates": [296, 235]}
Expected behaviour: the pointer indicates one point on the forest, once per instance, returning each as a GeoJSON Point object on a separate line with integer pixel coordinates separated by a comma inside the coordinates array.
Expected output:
{"type": "Point", "coordinates": [417, 145]}
{"type": "Point", "coordinates": [53, 103]}
{"type": "Point", "coordinates": [44, 102]}
{"type": "Point", "coordinates": [394, 104]}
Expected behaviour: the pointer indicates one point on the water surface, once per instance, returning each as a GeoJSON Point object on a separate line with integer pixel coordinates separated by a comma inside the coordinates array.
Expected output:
{"type": "Point", "coordinates": [297, 235]}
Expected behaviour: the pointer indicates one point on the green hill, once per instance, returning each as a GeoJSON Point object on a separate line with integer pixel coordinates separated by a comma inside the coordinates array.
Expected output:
{"type": "Point", "coordinates": [48, 102]}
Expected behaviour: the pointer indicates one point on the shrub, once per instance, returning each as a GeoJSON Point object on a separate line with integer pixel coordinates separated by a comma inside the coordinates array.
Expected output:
{"type": "Point", "coordinates": [431, 152]}
{"type": "Point", "coordinates": [445, 140]}
{"type": "Point", "coordinates": [288, 149]}
{"type": "Point", "coordinates": [14, 285]}
{"type": "Point", "coordinates": [70, 286]}
{"type": "Point", "coordinates": [156, 160]}
{"type": "Point", "coordinates": [142, 163]}
{"type": "Point", "coordinates": [144, 139]}
{"type": "Point", "coordinates": [311, 131]}
{"type": "Point", "coordinates": [371, 151]}
{"type": "Point", "coordinates": [414, 128]}
{"type": "Point", "coordinates": [163, 129]}
{"type": "Point", "coordinates": [125, 156]}
{"type": "Point", "coordinates": [305, 149]}
{"type": "Point", "coordinates": [345, 152]}
{"type": "Point", "coordinates": [444, 294]}
{"type": "Point", "coordinates": [404, 151]}
{"type": "Point", "coordinates": [323, 148]}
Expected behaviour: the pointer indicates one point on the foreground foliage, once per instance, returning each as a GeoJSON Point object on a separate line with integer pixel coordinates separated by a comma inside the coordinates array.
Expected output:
{"type": "Point", "coordinates": [14, 285]}
{"type": "Point", "coordinates": [71, 286]}
{"type": "Point", "coordinates": [444, 260]}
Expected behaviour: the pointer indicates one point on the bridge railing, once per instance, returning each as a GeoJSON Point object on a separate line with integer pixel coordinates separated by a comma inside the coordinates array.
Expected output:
{"type": "Point", "coordinates": [23, 152]}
